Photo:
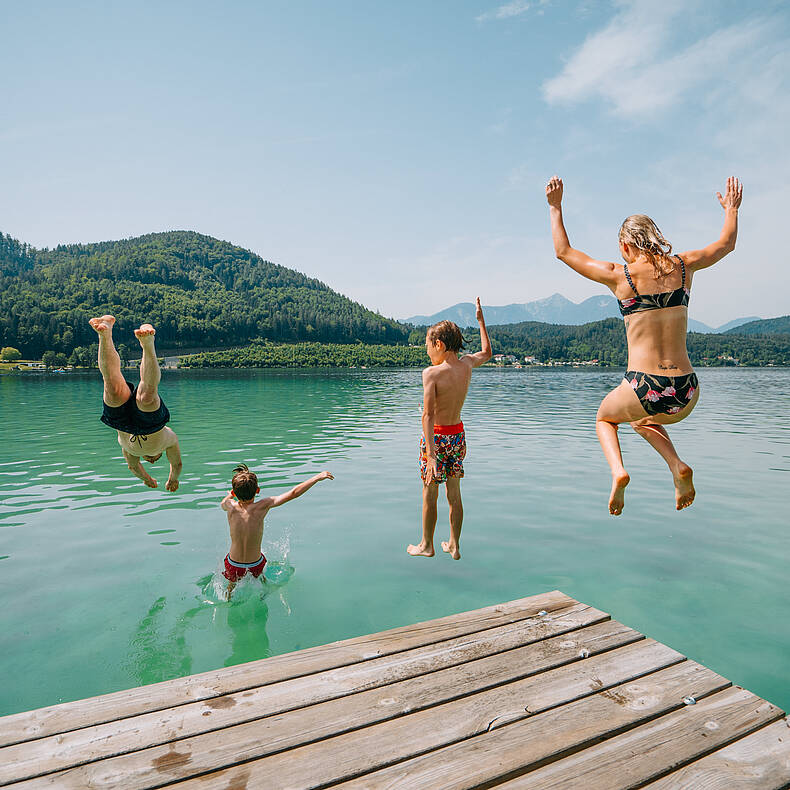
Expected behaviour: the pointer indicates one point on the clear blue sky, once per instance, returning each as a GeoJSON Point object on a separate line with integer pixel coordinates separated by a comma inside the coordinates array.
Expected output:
{"type": "Point", "coordinates": [398, 150]}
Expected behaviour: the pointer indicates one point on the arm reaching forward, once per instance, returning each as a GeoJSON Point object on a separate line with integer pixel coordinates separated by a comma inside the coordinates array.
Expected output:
{"type": "Point", "coordinates": [298, 490]}
{"type": "Point", "coordinates": [707, 256]}
{"type": "Point", "coordinates": [599, 271]}
{"type": "Point", "coordinates": [482, 356]}
{"type": "Point", "coordinates": [133, 462]}
{"type": "Point", "coordinates": [174, 456]}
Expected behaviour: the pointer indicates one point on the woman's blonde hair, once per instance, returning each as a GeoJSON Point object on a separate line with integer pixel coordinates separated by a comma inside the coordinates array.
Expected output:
{"type": "Point", "coordinates": [641, 232]}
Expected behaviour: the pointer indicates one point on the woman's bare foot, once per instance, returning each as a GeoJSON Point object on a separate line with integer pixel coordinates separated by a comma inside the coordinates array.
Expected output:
{"type": "Point", "coordinates": [145, 333]}
{"type": "Point", "coordinates": [617, 497]}
{"type": "Point", "coordinates": [684, 486]}
{"type": "Point", "coordinates": [420, 551]}
{"type": "Point", "coordinates": [103, 323]}
{"type": "Point", "coordinates": [451, 550]}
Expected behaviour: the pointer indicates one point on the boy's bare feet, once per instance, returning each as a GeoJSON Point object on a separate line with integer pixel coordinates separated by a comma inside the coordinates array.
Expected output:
{"type": "Point", "coordinates": [684, 486]}
{"type": "Point", "coordinates": [145, 334]}
{"type": "Point", "coordinates": [617, 497]}
{"type": "Point", "coordinates": [103, 323]}
{"type": "Point", "coordinates": [452, 551]}
{"type": "Point", "coordinates": [420, 551]}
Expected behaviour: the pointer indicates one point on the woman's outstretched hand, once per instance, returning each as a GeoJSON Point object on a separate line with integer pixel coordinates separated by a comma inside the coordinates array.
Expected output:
{"type": "Point", "coordinates": [732, 196]}
{"type": "Point", "coordinates": [554, 191]}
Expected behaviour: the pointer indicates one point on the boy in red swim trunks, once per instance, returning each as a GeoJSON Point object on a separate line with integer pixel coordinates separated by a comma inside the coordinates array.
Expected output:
{"type": "Point", "coordinates": [443, 442]}
{"type": "Point", "coordinates": [245, 519]}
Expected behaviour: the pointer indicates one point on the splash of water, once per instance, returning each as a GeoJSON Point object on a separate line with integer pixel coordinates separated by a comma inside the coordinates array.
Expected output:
{"type": "Point", "coordinates": [278, 572]}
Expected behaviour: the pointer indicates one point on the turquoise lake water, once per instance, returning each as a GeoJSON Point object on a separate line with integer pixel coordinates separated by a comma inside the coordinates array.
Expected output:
{"type": "Point", "coordinates": [107, 584]}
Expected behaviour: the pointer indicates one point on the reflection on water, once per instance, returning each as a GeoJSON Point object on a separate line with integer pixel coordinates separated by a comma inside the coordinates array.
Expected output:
{"type": "Point", "coordinates": [160, 646]}
{"type": "Point", "coordinates": [81, 538]}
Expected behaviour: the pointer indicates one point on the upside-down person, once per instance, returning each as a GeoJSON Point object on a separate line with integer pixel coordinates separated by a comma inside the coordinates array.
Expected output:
{"type": "Point", "coordinates": [137, 413]}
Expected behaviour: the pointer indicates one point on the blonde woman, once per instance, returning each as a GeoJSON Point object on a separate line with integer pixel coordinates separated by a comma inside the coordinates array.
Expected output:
{"type": "Point", "coordinates": [652, 288]}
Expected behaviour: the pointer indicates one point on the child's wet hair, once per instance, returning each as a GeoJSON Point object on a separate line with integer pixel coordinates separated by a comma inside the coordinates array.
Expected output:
{"type": "Point", "coordinates": [449, 334]}
{"type": "Point", "coordinates": [245, 483]}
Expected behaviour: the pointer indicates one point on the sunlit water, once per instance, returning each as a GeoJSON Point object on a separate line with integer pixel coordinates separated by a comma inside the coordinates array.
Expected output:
{"type": "Point", "coordinates": [107, 584]}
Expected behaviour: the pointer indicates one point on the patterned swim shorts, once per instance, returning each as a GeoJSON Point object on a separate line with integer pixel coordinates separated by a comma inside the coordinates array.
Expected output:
{"type": "Point", "coordinates": [450, 443]}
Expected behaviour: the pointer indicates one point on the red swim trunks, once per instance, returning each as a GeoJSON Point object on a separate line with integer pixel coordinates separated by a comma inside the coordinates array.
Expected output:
{"type": "Point", "coordinates": [235, 570]}
{"type": "Point", "coordinates": [450, 444]}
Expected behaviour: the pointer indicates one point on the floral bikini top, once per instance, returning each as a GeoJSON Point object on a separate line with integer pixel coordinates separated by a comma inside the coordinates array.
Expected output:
{"type": "Point", "coordinates": [678, 297]}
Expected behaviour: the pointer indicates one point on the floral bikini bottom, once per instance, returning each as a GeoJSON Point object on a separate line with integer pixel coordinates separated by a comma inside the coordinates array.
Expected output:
{"type": "Point", "coordinates": [662, 394]}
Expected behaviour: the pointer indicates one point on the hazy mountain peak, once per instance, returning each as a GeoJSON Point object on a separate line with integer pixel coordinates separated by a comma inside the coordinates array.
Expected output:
{"type": "Point", "coordinates": [554, 309]}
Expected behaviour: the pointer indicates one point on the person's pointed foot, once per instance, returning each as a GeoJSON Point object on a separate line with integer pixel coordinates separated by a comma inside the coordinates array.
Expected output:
{"type": "Point", "coordinates": [684, 486]}
{"type": "Point", "coordinates": [617, 497]}
{"type": "Point", "coordinates": [103, 323]}
{"type": "Point", "coordinates": [420, 550]}
{"type": "Point", "coordinates": [145, 334]}
{"type": "Point", "coordinates": [451, 550]}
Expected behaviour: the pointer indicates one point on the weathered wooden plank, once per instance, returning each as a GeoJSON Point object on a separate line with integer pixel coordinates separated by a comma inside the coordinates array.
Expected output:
{"type": "Point", "coordinates": [508, 751]}
{"type": "Point", "coordinates": [158, 696]}
{"type": "Point", "coordinates": [277, 733]}
{"type": "Point", "coordinates": [633, 758]}
{"type": "Point", "coordinates": [57, 752]}
{"type": "Point", "coordinates": [760, 761]}
{"type": "Point", "coordinates": [345, 756]}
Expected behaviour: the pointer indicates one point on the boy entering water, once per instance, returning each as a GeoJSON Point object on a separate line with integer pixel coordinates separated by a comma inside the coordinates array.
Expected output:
{"type": "Point", "coordinates": [245, 519]}
{"type": "Point", "coordinates": [443, 442]}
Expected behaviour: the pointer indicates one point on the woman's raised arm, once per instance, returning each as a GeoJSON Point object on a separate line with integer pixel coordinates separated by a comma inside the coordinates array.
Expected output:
{"type": "Point", "coordinates": [730, 202]}
{"type": "Point", "coordinates": [599, 271]}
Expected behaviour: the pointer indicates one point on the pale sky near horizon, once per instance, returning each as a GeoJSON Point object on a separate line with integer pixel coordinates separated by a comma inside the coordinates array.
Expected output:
{"type": "Point", "coordinates": [399, 151]}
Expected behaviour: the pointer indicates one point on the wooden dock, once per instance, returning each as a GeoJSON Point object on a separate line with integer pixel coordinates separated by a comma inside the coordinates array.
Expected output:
{"type": "Point", "coordinates": [544, 692]}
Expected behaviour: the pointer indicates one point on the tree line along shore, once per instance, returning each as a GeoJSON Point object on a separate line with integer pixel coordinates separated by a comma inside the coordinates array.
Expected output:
{"type": "Point", "coordinates": [601, 343]}
{"type": "Point", "coordinates": [218, 305]}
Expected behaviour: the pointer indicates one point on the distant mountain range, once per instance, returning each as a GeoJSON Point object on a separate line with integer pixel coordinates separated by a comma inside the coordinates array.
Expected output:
{"type": "Point", "coordinates": [557, 309]}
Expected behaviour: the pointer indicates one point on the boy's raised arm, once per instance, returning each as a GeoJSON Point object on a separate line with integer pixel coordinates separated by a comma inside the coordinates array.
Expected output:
{"type": "Point", "coordinates": [298, 490]}
{"type": "Point", "coordinates": [482, 356]}
{"type": "Point", "coordinates": [226, 503]}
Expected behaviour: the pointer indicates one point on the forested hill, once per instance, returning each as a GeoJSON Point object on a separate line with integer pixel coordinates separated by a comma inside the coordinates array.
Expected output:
{"type": "Point", "coordinates": [605, 342]}
{"type": "Point", "coordinates": [766, 326]}
{"type": "Point", "coordinates": [196, 290]}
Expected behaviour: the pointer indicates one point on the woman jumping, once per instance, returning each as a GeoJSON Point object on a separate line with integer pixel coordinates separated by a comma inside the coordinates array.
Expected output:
{"type": "Point", "coordinates": [652, 289]}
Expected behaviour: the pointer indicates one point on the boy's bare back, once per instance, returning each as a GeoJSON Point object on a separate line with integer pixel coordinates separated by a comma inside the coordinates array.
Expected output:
{"type": "Point", "coordinates": [245, 515]}
{"type": "Point", "coordinates": [450, 383]}
{"type": "Point", "coordinates": [245, 520]}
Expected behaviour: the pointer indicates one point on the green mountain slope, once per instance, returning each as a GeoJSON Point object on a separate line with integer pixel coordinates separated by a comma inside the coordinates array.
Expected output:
{"type": "Point", "coordinates": [766, 326]}
{"type": "Point", "coordinates": [196, 290]}
{"type": "Point", "coordinates": [605, 341]}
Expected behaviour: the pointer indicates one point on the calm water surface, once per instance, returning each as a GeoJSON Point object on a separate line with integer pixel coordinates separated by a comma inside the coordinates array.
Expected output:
{"type": "Point", "coordinates": [107, 584]}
